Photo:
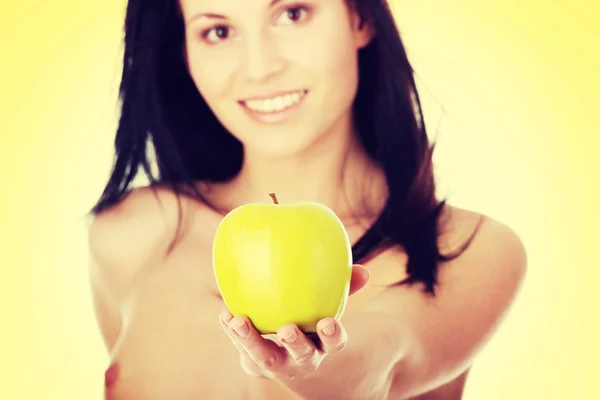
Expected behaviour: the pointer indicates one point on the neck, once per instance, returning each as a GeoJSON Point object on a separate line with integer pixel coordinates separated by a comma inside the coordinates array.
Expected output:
{"type": "Point", "coordinates": [332, 172]}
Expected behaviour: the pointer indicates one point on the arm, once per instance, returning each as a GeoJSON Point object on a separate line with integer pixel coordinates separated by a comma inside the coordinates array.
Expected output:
{"type": "Point", "coordinates": [363, 369]}
{"type": "Point", "coordinates": [405, 344]}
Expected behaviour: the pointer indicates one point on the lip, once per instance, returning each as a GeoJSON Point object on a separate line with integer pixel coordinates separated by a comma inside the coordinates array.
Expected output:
{"type": "Point", "coordinates": [275, 117]}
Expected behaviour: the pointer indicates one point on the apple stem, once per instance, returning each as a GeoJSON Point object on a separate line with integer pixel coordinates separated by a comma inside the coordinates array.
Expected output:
{"type": "Point", "coordinates": [274, 198]}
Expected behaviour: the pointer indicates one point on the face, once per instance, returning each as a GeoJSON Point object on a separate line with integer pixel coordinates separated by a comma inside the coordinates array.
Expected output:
{"type": "Point", "coordinates": [278, 74]}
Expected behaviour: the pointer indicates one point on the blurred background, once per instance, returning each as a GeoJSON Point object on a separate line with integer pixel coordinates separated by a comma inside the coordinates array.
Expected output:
{"type": "Point", "coordinates": [510, 90]}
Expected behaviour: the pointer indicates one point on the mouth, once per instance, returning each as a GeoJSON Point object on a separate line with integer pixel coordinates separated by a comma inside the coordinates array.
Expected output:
{"type": "Point", "coordinates": [275, 105]}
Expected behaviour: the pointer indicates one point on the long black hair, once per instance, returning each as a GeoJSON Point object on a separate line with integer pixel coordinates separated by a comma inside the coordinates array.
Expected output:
{"type": "Point", "coordinates": [161, 105]}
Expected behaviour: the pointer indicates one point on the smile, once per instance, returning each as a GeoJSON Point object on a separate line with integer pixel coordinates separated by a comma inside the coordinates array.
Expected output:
{"type": "Point", "coordinates": [275, 109]}
{"type": "Point", "coordinates": [275, 104]}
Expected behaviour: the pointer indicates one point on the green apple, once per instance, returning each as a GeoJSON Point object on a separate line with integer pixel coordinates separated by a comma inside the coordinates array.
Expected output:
{"type": "Point", "coordinates": [283, 263]}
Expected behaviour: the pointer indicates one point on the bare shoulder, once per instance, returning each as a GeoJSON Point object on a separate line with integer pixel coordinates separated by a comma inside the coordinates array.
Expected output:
{"type": "Point", "coordinates": [494, 251]}
{"type": "Point", "coordinates": [487, 260]}
{"type": "Point", "coordinates": [138, 228]}
{"type": "Point", "coordinates": [137, 232]}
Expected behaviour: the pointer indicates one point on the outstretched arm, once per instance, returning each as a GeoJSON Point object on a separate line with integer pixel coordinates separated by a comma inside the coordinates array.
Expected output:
{"type": "Point", "coordinates": [404, 343]}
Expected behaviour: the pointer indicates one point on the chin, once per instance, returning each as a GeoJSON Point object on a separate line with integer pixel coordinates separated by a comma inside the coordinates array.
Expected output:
{"type": "Point", "coordinates": [279, 146]}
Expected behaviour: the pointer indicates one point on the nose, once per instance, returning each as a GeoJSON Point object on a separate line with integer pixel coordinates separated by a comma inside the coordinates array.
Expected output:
{"type": "Point", "coordinates": [262, 58]}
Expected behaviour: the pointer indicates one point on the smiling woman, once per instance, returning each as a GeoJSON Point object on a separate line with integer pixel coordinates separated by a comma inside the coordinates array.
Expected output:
{"type": "Point", "coordinates": [312, 100]}
{"type": "Point", "coordinates": [250, 61]}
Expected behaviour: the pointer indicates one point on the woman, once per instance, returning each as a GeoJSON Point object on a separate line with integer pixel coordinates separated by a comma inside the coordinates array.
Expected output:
{"type": "Point", "coordinates": [312, 100]}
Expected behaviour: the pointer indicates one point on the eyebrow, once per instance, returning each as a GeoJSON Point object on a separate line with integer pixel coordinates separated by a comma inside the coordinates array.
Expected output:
{"type": "Point", "coordinates": [219, 16]}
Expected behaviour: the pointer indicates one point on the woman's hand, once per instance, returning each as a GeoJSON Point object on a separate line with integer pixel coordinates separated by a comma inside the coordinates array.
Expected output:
{"type": "Point", "coordinates": [290, 353]}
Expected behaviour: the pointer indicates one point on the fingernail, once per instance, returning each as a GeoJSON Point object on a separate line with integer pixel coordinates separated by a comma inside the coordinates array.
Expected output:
{"type": "Point", "coordinates": [329, 330]}
{"type": "Point", "coordinates": [225, 320]}
{"type": "Point", "coordinates": [242, 329]}
{"type": "Point", "coordinates": [111, 375]}
{"type": "Point", "coordinates": [291, 337]}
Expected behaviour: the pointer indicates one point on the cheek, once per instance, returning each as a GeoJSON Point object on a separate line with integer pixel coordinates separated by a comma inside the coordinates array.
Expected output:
{"type": "Point", "coordinates": [331, 60]}
{"type": "Point", "coordinates": [212, 75]}
{"type": "Point", "coordinates": [326, 49]}
{"type": "Point", "coordinates": [328, 52]}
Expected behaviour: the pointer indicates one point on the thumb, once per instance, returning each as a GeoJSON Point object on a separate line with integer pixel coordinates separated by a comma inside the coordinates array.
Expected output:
{"type": "Point", "coordinates": [360, 277]}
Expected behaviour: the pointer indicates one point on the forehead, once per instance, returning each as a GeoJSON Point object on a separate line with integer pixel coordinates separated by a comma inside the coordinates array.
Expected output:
{"type": "Point", "coordinates": [229, 4]}
{"type": "Point", "coordinates": [190, 5]}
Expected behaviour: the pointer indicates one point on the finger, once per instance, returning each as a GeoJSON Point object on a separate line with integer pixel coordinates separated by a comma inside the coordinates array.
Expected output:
{"type": "Point", "coordinates": [360, 277]}
{"type": "Point", "coordinates": [266, 353]}
{"type": "Point", "coordinates": [247, 364]}
{"type": "Point", "coordinates": [333, 336]}
{"type": "Point", "coordinates": [300, 348]}
{"type": "Point", "coordinates": [225, 318]}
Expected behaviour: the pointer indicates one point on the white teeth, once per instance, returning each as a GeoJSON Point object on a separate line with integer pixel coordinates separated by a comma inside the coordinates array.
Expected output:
{"type": "Point", "coordinates": [278, 103]}
{"type": "Point", "coordinates": [268, 105]}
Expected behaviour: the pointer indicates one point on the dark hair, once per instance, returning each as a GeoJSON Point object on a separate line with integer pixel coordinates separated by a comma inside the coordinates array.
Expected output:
{"type": "Point", "coordinates": [160, 104]}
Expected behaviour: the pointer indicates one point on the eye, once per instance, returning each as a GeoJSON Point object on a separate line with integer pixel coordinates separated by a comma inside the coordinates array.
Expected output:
{"type": "Point", "coordinates": [216, 34]}
{"type": "Point", "coordinates": [294, 15]}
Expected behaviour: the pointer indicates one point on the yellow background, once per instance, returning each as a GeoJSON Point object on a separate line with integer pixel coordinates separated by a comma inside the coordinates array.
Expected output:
{"type": "Point", "coordinates": [518, 141]}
